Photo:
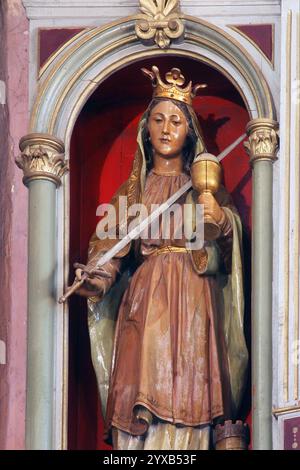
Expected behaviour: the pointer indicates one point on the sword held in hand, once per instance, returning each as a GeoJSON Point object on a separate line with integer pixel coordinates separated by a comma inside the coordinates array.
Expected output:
{"type": "Point", "coordinates": [134, 233]}
{"type": "Point", "coordinates": [79, 282]}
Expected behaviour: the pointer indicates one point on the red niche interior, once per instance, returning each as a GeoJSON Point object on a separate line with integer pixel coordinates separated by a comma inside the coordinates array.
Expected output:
{"type": "Point", "coordinates": [102, 150]}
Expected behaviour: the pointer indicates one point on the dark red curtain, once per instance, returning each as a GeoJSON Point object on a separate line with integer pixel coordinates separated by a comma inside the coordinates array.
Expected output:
{"type": "Point", "coordinates": [102, 151]}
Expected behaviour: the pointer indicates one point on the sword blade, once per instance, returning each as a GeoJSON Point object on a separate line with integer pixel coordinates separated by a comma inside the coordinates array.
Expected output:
{"type": "Point", "coordinates": [142, 225]}
{"type": "Point", "coordinates": [135, 232]}
{"type": "Point", "coordinates": [231, 147]}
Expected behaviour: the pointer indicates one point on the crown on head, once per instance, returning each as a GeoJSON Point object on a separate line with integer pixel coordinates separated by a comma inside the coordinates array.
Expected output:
{"type": "Point", "coordinates": [174, 88]}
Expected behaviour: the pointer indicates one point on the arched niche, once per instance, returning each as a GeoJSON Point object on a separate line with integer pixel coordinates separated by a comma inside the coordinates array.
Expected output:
{"type": "Point", "coordinates": [102, 148]}
{"type": "Point", "coordinates": [77, 69]}
{"type": "Point", "coordinates": [66, 82]}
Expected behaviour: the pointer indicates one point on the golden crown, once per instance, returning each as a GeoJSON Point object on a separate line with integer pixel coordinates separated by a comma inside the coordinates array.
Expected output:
{"type": "Point", "coordinates": [174, 88]}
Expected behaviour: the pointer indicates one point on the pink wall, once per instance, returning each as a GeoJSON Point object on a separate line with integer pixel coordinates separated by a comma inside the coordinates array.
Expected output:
{"type": "Point", "coordinates": [13, 206]}
{"type": "Point", "coordinates": [5, 228]}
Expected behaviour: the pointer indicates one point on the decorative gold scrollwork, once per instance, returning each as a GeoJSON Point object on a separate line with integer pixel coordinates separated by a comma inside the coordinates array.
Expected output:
{"type": "Point", "coordinates": [160, 21]}
{"type": "Point", "coordinates": [42, 157]}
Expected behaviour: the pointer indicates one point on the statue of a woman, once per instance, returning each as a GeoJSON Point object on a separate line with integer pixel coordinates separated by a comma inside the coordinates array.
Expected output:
{"type": "Point", "coordinates": [167, 338]}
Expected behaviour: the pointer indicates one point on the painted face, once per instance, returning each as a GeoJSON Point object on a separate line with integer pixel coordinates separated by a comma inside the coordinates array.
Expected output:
{"type": "Point", "coordinates": [168, 129]}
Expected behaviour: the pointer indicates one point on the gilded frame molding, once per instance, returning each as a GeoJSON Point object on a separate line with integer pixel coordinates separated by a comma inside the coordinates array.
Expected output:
{"type": "Point", "coordinates": [67, 67]}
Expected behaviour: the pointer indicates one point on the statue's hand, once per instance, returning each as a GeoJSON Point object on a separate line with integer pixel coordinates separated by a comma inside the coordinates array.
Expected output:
{"type": "Point", "coordinates": [94, 283]}
{"type": "Point", "coordinates": [211, 207]}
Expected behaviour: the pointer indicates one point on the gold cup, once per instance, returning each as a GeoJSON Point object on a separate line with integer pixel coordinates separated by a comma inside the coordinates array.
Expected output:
{"type": "Point", "coordinates": [206, 173]}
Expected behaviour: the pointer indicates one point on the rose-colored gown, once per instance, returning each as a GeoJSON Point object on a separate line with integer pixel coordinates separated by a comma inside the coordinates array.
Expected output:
{"type": "Point", "coordinates": [165, 355]}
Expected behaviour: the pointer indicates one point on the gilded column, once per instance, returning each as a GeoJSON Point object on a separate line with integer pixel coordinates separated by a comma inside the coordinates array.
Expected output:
{"type": "Point", "coordinates": [42, 161]}
{"type": "Point", "coordinates": [262, 148]}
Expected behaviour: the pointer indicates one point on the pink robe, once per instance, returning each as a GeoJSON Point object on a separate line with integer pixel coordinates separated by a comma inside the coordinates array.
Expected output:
{"type": "Point", "coordinates": [166, 352]}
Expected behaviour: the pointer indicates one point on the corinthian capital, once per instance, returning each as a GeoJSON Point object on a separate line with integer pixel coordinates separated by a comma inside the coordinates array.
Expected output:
{"type": "Point", "coordinates": [42, 157]}
{"type": "Point", "coordinates": [263, 139]}
{"type": "Point", "coordinates": [159, 21]}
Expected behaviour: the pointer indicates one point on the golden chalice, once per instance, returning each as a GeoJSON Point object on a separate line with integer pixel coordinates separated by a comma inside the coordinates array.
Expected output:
{"type": "Point", "coordinates": [206, 173]}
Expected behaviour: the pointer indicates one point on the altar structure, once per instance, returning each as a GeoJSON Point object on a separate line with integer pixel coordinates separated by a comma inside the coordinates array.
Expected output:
{"type": "Point", "coordinates": [62, 63]}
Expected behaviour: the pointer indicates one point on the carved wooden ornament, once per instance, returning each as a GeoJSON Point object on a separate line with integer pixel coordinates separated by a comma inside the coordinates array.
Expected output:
{"type": "Point", "coordinates": [160, 21]}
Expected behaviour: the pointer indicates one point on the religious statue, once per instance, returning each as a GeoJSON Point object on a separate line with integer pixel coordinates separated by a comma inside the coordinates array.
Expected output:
{"type": "Point", "coordinates": [166, 320]}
